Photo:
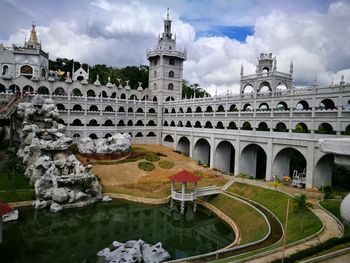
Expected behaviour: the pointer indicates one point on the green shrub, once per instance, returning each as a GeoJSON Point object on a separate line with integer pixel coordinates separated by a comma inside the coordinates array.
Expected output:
{"type": "Point", "coordinates": [73, 148]}
{"type": "Point", "coordinates": [151, 157]}
{"type": "Point", "coordinates": [166, 164]}
{"type": "Point", "coordinates": [327, 190]}
{"type": "Point", "coordinates": [146, 166]}
{"type": "Point", "coordinates": [85, 183]}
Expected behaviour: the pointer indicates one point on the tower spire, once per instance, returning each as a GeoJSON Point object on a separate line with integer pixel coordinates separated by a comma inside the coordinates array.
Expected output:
{"type": "Point", "coordinates": [33, 39]}
{"type": "Point", "coordinates": [167, 14]}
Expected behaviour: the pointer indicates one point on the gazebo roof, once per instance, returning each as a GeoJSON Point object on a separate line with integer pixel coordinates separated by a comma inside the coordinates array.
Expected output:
{"type": "Point", "coordinates": [4, 209]}
{"type": "Point", "coordinates": [184, 176]}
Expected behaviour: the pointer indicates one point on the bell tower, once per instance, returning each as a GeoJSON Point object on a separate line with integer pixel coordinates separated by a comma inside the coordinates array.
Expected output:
{"type": "Point", "coordinates": [166, 66]}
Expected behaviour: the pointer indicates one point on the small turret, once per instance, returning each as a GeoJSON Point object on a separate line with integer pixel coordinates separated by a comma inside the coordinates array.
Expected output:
{"type": "Point", "coordinates": [242, 70]}
{"type": "Point", "coordinates": [33, 40]}
{"type": "Point", "coordinates": [291, 67]}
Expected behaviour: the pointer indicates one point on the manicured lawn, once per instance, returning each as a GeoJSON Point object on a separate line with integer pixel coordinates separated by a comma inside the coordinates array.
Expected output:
{"type": "Point", "coordinates": [276, 202]}
{"type": "Point", "coordinates": [333, 206]}
{"type": "Point", "coordinates": [12, 181]}
{"type": "Point", "coordinates": [250, 223]}
{"type": "Point", "coordinates": [17, 196]}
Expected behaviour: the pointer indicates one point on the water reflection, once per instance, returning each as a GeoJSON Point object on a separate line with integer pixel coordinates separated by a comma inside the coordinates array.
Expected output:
{"type": "Point", "coordinates": [76, 235]}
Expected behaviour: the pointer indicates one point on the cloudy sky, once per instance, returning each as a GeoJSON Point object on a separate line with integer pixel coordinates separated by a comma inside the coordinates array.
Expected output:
{"type": "Point", "coordinates": [219, 35]}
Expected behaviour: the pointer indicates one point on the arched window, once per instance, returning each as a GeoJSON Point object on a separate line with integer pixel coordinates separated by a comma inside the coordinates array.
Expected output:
{"type": "Point", "coordinates": [151, 123]}
{"type": "Point", "coordinates": [189, 110]}
{"type": "Point", "coordinates": [171, 74]}
{"type": "Point", "coordinates": [171, 86]}
{"type": "Point", "coordinates": [151, 134]}
{"type": "Point", "coordinates": [130, 123]}
{"type": "Point", "coordinates": [173, 110]}
{"type": "Point", "coordinates": [188, 124]}
{"type": "Point", "coordinates": [26, 71]}
{"type": "Point", "coordinates": [181, 110]}
{"type": "Point", "coordinates": [76, 92]}
{"type": "Point", "coordinates": [114, 94]}
{"type": "Point", "coordinates": [219, 125]}
{"type": "Point", "coordinates": [60, 106]}
{"type": "Point", "coordinates": [139, 134]}
{"type": "Point", "coordinates": [325, 128]}
{"type": "Point", "coordinates": [91, 93]}
{"type": "Point", "coordinates": [301, 128]}
{"type": "Point", "coordinates": [179, 124]}
{"type": "Point", "coordinates": [208, 125]}
{"type": "Point", "coordinates": [43, 90]}
{"type": "Point", "coordinates": [139, 123]}
{"type": "Point", "coordinates": [109, 109]}
{"type": "Point", "coordinates": [108, 123]}
{"type": "Point", "coordinates": [139, 110]}
{"type": "Point", "coordinates": [165, 123]}
{"type": "Point", "coordinates": [221, 108]}
{"type": "Point", "coordinates": [43, 73]}
{"type": "Point", "coordinates": [5, 69]}
{"type": "Point", "coordinates": [281, 127]}
{"type": "Point", "coordinates": [233, 107]}
{"type": "Point", "coordinates": [198, 109]}
{"type": "Point", "coordinates": [77, 107]}
{"type": "Point", "coordinates": [172, 124]}
{"type": "Point", "coordinates": [171, 61]}
{"type": "Point", "coordinates": [151, 110]}
{"type": "Point", "coordinates": [93, 108]}
{"type": "Point", "coordinates": [59, 91]}
{"type": "Point", "coordinates": [130, 110]}
{"type": "Point", "coordinates": [262, 127]}
{"type": "Point", "coordinates": [209, 109]}
{"type": "Point", "coordinates": [232, 125]}
{"type": "Point", "coordinates": [121, 123]}
{"type": "Point", "coordinates": [246, 126]}
{"type": "Point", "coordinates": [121, 109]}
{"type": "Point", "coordinates": [155, 74]}
{"type": "Point", "coordinates": [92, 122]}
{"type": "Point", "coordinates": [197, 124]}
{"type": "Point", "coordinates": [123, 96]}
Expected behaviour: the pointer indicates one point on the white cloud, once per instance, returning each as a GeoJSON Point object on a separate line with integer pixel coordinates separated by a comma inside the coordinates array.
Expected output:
{"type": "Point", "coordinates": [118, 33]}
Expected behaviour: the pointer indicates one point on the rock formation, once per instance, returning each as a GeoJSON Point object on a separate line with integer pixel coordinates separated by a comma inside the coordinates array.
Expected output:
{"type": "Point", "coordinates": [134, 251]}
{"type": "Point", "coordinates": [60, 180]}
{"type": "Point", "coordinates": [115, 143]}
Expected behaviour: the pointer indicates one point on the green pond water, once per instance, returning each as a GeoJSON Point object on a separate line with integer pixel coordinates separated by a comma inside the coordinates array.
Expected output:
{"type": "Point", "coordinates": [76, 235]}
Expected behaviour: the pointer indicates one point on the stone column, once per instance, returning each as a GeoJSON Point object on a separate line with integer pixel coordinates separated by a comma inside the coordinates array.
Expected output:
{"type": "Point", "coordinates": [310, 165]}
{"type": "Point", "coordinates": [269, 160]}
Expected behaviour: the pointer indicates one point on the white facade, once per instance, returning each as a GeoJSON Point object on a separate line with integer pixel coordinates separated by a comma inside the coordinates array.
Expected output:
{"type": "Point", "coordinates": [262, 127]}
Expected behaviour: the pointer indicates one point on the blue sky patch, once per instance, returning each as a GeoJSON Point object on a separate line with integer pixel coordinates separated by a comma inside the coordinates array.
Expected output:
{"type": "Point", "coordinates": [238, 33]}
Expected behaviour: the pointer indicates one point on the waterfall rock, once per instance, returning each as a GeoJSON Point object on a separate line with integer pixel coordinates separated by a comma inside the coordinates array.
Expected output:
{"type": "Point", "coordinates": [38, 204]}
{"type": "Point", "coordinates": [134, 251]}
{"type": "Point", "coordinates": [106, 198]}
{"type": "Point", "coordinates": [11, 216]}
{"type": "Point", "coordinates": [55, 207]}
{"type": "Point", "coordinates": [59, 195]}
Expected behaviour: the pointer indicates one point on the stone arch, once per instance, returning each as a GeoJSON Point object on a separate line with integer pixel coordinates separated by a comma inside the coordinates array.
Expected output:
{"type": "Point", "coordinates": [246, 126]}
{"type": "Point", "coordinates": [121, 123]}
{"type": "Point", "coordinates": [327, 104]}
{"type": "Point", "coordinates": [14, 89]}
{"type": "Point", "coordinates": [197, 124]}
{"type": "Point", "coordinates": [152, 111]}
{"type": "Point", "coordinates": [77, 107]}
{"type": "Point", "coordinates": [93, 122]}
{"type": "Point", "coordinates": [133, 97]}
{"type": "Point", "coordinates": [151, 123]}
{"type": "Point", "coordinates": [198, 109]}
{"type": "Point", "coordinates": [26, 71]}
{"type": "Point", "coordinates": [76, 137]}
{"type": "Point", "coordinates": [220, 108]}
{"type": "Point", "coordinates": [232, 126]}
{"type": "Point", "coordinates": [170, 86]}
{"type": "Point", "coordinates": [90, 93]}
{"type": "Point", "coordinates": [188, 124]}
{"type": "Point", "coordinates": [173, 110]}
{"type": "Point", "coordinates": [166, 111]}
{"type": "Point", "coordinates": [2, 88]}
{"type": "Point", "coordinates": [144, 98]}
{"type": "Point", "coordinates": [165, 123]}
{"type": "Point", "coordinates": [219, 125]}
{"type": "Point", "coordinates": [76, 92]}
{"type": "Point", "coordinates": [168, 141]}
{"type": "Point", "coordinates": [121, 109]}
{"type": "Point", "coordinates": [43, 90]}
{"type": "Point", "coordinates": [28, 88]}
{"type": "Point", "coordinates": [130, 110]}
{"type": "Point", "coordinates": [233, 107]}
{"type": "Point", "coordinates": [253, 161]}
{"type": "Point", "coordinates": [302, 105]}
{"type": "Point", "coordinates": [264, 107]}
{"type": "Point", "coordinates": [281, 127]}
{"type": "Point", "coordinates": [183, 146]}
{"type": "Point", "coordinates": [60, 106]}
{"type": "Point", "coordinates": [139, 110]}
{"type": "Point", "coordinates": [201, 151]}
{"type": "Point", "coordinates": [123, 96]}
{"type": "Point", "coordinates": [60, 121]}
{"type": "Point", "coordinates": [139, 123]}
{"type": "Point", "coordinates": [180, 124]}
{"type": "Point", "coordinates": [151, 134]}
{"type": "Point", "coordinates": [288, 160]}
{"type": "Point", "coordinates": [77, 122]}
{"type": "Point", "coordinates": [323, 171]}
{"type": "Point", "coordinates": [139, 134]}
{"type": "Point", "coordinates": [247, 107]}
{"type": "Point", "coordinates": [171, 74]}
{"type": "Point", "coordinates": [172, 124]}
{"type": "Point", "coordinates": [130, 123]}
{"type": "Point", "coordinates": [103, 94]}
{"type": "Point", "coordinates": [325, 128]}
{"type": "Point", "coordinates": [248, 88]}
{"type": "Point", "coordinates": [108, 122]}
{"type": "Point", "coordinates": [113, 95]}
{"type": "Point", "coordinates": [281, 106]}
{"type": "Point", "coordinates": [107, 135]}
{"type": "Point", "coordinates": [59, 91]}
{"type": "Point", "coordinates": [170, 98]}
{"type": "Point", "coordinates": [263, 126]}
{"type": "Point", "coordinates": [208, 125]}
{"type": "Point", "coordinates": [93, 136]}
{"type": "Point", "coordinates": [155, 98]}
{"type": "Point", "coordinates": [281, 86]}
{"type": "Point", "coordinates": [209, 109]}
{"type": "Point", "coordinates": [109, 109]}
{"type": "Point", "coordinates": [93, 108]}
{"type": "Point", "coordinates": [224, 159]}
{"type": "Point", "coordinates": [347, 130]}
{"type": "Point", "coordinates": [264, 87]}
{"type": "Point", "coordinates": [301, 128]}
{"type": "Point", "coordinates": [189, 110]}
{"type": "Point", "coordinates": [181, 110]}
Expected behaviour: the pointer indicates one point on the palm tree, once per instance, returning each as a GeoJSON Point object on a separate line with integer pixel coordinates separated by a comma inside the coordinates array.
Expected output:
{"type": "Point", "coordinates": [300, 206]}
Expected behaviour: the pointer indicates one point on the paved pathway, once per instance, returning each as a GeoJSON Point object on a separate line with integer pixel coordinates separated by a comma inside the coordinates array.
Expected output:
{"type": "Point", "coordinates": [332, 227]}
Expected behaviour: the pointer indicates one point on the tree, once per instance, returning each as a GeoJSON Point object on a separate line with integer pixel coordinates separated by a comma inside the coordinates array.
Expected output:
{"type": "Point", "coordinates": [300, 206]}
{"type": "Point", "coordinates": [193, 90]}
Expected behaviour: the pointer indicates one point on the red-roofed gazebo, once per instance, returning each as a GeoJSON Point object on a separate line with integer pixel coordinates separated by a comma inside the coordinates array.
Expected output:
{"type": "Point", "coordinates": [183, 177]}
{"type": "Point", "coordinates": [4, 209]}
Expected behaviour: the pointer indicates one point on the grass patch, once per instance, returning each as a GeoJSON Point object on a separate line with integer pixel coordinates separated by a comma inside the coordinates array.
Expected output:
{"type": "Point", "coordinates": [276, 202]}
{"type": "Point", "coordinates": [241, 214]}
{"type": "Point", "coordinates": [146, 166]}
{"type": "Point", "coordinates": [333, 206]}
{"type": "Point", "coordinates": [165, 164]}
{"type": "Point", "coordinates": [17, 196]}
{"type": "Point", "coordinates": [151, 157]}
{"type": "Point", "coordinates": [144, 190]}
{"type": "Point", "coordinates": [12, 176]}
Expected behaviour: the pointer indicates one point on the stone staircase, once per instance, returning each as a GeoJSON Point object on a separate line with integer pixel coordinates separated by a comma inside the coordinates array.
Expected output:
{"type": "Point", "coordinates": [7, 108]}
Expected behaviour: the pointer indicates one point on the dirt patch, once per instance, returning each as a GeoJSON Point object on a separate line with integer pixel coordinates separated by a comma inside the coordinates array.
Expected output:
{"type": "Point", "coordinates": [129, 176]}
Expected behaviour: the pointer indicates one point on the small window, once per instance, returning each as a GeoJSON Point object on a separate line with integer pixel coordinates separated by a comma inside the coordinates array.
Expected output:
{"type": "Point", "coordinates": [169, 47]}
{"type": "Point", "coordinates": [171, 86]}
{"type": "Point", "coordinates": [171, 74]}
{"type": "Point", "coordinates": [43, 73]}
{"type": "Point", "coordinates": [155, 74]}
{"type": "Point", "coordinates": [155, 86]}
{"type": "Point", "coordinates": [172, 61]}
{"type": "Point", "coordinates": [5, 69]}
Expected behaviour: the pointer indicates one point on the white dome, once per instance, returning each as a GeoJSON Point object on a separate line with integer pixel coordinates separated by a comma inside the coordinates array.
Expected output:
{"type": "Point", "coordinates": [345, 209]}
